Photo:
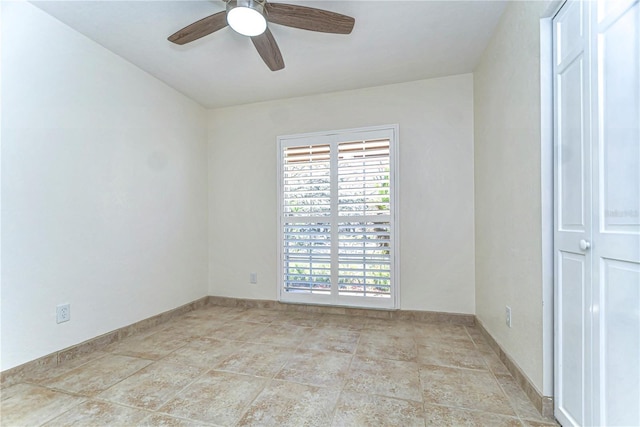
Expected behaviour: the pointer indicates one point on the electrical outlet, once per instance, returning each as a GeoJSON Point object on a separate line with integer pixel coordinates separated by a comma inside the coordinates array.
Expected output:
{"type": "Point", "coordinates": [507, 311]}
{"type": "Point", "coordinates": [253, 278]}
{"type": "Point", "coordinates": [63, 313]}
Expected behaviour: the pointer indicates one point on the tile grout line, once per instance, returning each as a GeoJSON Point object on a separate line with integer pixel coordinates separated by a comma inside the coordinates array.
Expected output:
{"type": "Point", "coordinates": [93, 396]}
{"type": "Point", "coordinates": [150, 412]}
{"type": "Point", "coordinates": [475, 411]}
{"type": "Point", "coordinates": [422, 385]}
{"type": "Point", "coordinates": [344, 383]}
{"type": "Point", "coordinates": [182, 389]}
{"type": "Point", "coordinates": [267, 383]}
{"type": "Point", "coordinates": [32, 381]}
{"type": "Point", "coordinates": [509, 399]}
{"type": "Point", "coordinates": [244, 412]}
{"type": "Point", "coordinates": [493, 375]}
{"type": "Point", "coordinates": [59, 415]}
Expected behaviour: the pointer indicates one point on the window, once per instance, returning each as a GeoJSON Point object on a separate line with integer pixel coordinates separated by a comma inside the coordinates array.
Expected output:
{"type": "Point", "coordinates": [336, 228]}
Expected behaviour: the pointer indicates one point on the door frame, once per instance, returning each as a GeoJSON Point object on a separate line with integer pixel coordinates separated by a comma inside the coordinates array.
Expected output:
{"type": "Point", "coordinates": [547, 196]}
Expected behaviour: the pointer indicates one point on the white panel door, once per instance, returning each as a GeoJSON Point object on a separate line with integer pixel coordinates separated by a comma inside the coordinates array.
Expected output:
{"type": "Point", "coordinates": [573, 220]}
{"type": "Point", "coordinates": [597, 220]}
{"type": "Point", "coordinates": [616, 238]}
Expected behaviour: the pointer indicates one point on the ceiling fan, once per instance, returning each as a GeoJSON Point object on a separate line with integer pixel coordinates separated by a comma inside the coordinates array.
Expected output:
{"type": "Point", "coordinates": [250, 17]}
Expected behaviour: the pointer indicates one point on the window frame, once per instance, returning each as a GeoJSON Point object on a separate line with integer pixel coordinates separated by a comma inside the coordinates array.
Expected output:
{"type": "Point", "coordinates": [334, 137]}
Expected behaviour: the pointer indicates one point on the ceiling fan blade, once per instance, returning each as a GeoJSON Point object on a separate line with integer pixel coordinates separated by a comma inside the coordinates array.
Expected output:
{"type": "Point", "coordinates": [200, 28]}
{"type": "Point", "coordinates": [269, 51]}
{"type": "Point", "coordinates": [309, 18]}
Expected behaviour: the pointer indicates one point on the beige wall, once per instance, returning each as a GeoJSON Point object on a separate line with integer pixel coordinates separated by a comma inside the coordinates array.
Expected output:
{"type": "Point", "coordinates": [104, 200]}
{"type": "Point", "coordinates": [507, 187]}
{"type": "Point", "coordinates": [436, 186]}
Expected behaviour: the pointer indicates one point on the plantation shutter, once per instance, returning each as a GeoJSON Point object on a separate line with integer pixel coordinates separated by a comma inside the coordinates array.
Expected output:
{"type": "Point", "coordinates": [307, 207]}
{"type": "Point", "coordinates": [336, 220]}
{"type": "Point", "coordinates": [364, 218]}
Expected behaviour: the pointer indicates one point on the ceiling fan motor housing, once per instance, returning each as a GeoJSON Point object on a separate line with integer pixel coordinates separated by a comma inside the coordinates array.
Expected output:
{"type": "Point", "coordinates": [247, 17]}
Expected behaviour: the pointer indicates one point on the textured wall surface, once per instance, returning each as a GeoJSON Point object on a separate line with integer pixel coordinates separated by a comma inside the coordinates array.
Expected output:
{"type": "Point", "coordinates": [436, 186]}
{"type": "Point", "coordinates": [104, 201]}
{"type": "Point", "coordinates": [507, 186]}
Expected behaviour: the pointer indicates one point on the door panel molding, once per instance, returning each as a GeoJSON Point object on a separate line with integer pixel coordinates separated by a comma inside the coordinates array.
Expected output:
{"type": "Point", "coordinates": [597, 212]}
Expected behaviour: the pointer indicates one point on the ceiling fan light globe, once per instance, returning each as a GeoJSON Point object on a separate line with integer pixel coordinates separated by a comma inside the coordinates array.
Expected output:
{"type": "Point", "coordinates": [246, 18]}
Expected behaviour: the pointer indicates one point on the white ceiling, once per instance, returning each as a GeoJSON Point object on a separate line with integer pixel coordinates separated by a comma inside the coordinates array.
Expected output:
{"type": "Point", "coordinates": [392, 41]}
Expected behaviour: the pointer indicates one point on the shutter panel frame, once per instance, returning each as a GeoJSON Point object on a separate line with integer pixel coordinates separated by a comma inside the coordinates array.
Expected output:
{"type": "Point", "coordinates": [360, 219]}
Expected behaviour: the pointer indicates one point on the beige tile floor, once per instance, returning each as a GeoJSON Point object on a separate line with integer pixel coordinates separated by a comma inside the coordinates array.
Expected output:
{"type": "Point", "coordinates": [234, 367]}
